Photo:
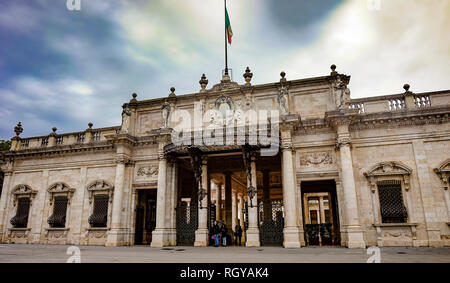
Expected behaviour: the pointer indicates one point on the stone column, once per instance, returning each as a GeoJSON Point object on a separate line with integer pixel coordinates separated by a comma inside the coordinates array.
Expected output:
{"type": "Point", "coordinates": [160, 237]}
{"type": "Point", "coordinates": [172, 215]}
{"type": "Point", "coordinates": [355, 236]}
{"type": "Point", "coordinates": [241, 211]}
{"type": "Point", "coordinates": [228, 201]}
{"type": "Point", "coordinates": [116, 234]}
{"type": "Point", "coordinates": [4, 201]}
{"type": "Point", "coordinates": [202, 233]}
{"type": "Point", "coordinates": [219, 202]}
{"type": "Point", "coordinates": [266, 195]}
{"type": "Point", "coordinates": [234, 212]}
{"type": "Point", "coordinates": [291, 230]}
{"type": "Point", "coordinates": [252, 236]}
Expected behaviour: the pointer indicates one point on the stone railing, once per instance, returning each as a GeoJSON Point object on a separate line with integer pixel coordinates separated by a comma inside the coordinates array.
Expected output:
{"type": "Point", "coordinates": [400, 102]}
{"type": "Point", "coordinates": [88, 136]}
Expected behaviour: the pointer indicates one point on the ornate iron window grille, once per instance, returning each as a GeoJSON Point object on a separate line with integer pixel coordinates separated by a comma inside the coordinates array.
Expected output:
{"type": "Point", "coordinates": [20, 220]}
{"type": "Point", "coordinates": [58, 218]}
{"type": "Point", "coordinates": [392, 207]}
{"type": "Point", "coordinates": [99, 217]}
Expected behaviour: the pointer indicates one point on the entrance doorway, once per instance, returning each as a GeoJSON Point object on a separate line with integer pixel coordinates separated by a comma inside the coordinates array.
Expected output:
{"type": "Point", "coordinates": [145, 217]}
{"type": "Point", "coordinates": [320, 213]}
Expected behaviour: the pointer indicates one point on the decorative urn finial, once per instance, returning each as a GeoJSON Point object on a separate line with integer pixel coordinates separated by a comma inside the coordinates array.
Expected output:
{"type": "Point", "coordinates": [248, 75]}
{"type": "Point", "coordinates": [333, 70]}
{"type": "Point", "coordinates": [90, 125]}
{"type": "Point", "coordinates": [406, 87]}
{"type": "Point", "coordinates": [172, 92]}
{"type": "Point", "coordinates": [203, 82]}
{"type": "Point", "coordinates": [133, 100]}
{"type": "Point", "coordinates": [54, 130]}
{"type": "Point", "coordinates": [283, 75]}
{"type": "Point", "coordinates": [18, 129]}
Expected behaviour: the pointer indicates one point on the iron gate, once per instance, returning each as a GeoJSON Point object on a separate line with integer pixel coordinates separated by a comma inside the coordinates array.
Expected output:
{"type": "Point", "coordinates": [271, 223]}
{"type": "Point", "coordinates": [187, 223]}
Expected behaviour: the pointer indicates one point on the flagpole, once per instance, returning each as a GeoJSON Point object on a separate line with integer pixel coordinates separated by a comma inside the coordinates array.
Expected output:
{"type": "Point", "coordinates": [226, 45]}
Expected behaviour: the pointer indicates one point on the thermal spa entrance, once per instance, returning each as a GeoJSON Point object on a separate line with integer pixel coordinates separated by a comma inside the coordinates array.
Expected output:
{"type": "Point", "coordinates": [228, 197]}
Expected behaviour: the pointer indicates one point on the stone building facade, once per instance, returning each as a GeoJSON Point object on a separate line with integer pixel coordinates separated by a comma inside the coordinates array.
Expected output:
{"type": "Point", "coordinates": [319, 169]}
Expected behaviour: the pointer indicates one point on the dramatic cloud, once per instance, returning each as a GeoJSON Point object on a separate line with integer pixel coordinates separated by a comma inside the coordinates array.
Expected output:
{"type": "Point", "coordinates": [66, 68]}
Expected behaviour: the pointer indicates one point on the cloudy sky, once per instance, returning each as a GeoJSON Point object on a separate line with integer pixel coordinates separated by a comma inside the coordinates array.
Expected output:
{"type": "Point", "coordinates": [66, 68]}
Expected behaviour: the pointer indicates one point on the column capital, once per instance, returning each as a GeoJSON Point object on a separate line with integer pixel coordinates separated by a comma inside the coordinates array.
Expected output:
{"type": "Point", "coordinates": [342, 141]}
{"type": "Point", "coordinates": [123, 159]}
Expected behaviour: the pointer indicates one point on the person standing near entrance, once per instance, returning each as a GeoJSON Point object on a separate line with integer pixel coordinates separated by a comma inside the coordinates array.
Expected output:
{"type": "Point", "coordinates": [216, 234]}
{"type": "Point", "coordinates": [224, 233]}
{"type": "Point", "coordinates": [237, 234]}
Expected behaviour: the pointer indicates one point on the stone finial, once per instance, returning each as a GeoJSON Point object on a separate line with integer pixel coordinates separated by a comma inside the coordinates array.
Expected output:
{"type": "Point", "coordinates": [54, 130]}
{"type": "Point", "coordinates": [406, 87]}
{"type": "Point", "coordinates": [18, 129]}
{"type": "Point", "coordinates": [203, 82]}
{"type": "Point", "coordinates": [134, 95]}
{"type": "Point", "coordinates": [283, 75]}
{"type": "Point", "coordinates": [90, 125]}
{"type": "Point", "coordinates": [172, 92]}
{"type": "Point", "coordinates": [248, 75]}
{"type": "Point", "coordinates": [333, 70]}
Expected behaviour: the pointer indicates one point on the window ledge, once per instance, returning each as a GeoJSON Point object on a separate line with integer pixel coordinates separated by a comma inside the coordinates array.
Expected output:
{"type": "Point", "coordinates": [396, 225]}
{"type": "Point", "coordinates": [56, 229]}
{"type": "Point", "coordinates": [19, 229]}
{"type": "Point", "coordinates": [96, 229]}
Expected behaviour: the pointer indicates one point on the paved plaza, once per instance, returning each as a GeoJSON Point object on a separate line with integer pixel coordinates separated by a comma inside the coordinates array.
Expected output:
{"type": "Point", "coordinates": [58, 254]}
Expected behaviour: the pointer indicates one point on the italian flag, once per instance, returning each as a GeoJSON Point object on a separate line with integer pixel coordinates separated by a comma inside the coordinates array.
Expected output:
{"type": "Point", "coordinates": [228, 27]}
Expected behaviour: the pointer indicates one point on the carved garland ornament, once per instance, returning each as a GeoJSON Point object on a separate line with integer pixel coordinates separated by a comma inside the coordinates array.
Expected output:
{"type": "Point", "coordinates": [388, 169]}
{"type": "Point", "coordinates": [150, 171]}
{"type": "Point", "coordinates": [316, 158]}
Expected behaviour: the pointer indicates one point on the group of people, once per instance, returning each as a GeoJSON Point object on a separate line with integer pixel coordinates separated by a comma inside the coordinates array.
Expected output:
{"type": "Point", "coordinates": [219, 234]}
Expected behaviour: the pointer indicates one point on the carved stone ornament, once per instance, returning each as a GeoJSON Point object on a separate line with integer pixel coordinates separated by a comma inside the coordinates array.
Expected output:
{"type": "Point", "coordinates": [148, 171]}
{"type": "Point", "coordinates": [316, 158]}
{"type": "Point", "coordinates": [388, 170]}
{"type": "Point", "coordinates": [224, 110]}
{"type": "Point", "coordinates": [23, 191]}
{"type": "Point", "coordinates": [60, 189]}
{"type": "Point", "coordinates": [100, 186]}
{"type": "Point", "coordinates": [443, 172]}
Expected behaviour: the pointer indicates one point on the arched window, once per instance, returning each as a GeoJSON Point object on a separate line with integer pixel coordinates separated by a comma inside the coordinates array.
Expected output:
{"type": "Point", "coordinates": [100, 196]}
{"type": "Point", "coordinates": [60, 195]}
{"type": "Point", "coordinates": [22, 197]}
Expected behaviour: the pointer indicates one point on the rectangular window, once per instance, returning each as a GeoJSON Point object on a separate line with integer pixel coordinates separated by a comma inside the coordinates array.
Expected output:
{"type": "Point", "coordinates": [58, 218]}
{"type": "Point", "coordinates": [23, 209]}
{"type": "Point", "coordinates": [99, 217]}
{"type": "Point", "coordinates": [392, 207]}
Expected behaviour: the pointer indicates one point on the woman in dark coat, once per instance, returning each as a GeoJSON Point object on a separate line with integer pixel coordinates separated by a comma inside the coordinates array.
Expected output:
{"type": "Point", "coordinates": [215, 231]}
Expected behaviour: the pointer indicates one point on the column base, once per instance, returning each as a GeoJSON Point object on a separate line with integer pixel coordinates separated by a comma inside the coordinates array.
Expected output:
{"type": "Point", "coordinates": [201, 238]}
{"type": "Point", "coordinates": [355, 238]}
{"type": "Point", "coordinates": [291, 238]}
{"type": "Point", "coordinates": [160, 238]}
{"type": "Point", "coordinates": [115, 238]}
{"type": "Point", "coordinates": [172, 237]}
{"type": "Point", "coordinates": [252, 238]}
{"type": "Point", "coordinates": [434, 238]}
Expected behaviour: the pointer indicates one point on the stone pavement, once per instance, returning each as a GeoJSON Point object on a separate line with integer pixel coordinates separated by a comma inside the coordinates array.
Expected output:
{"type": "Point", "coordinates": [57, 254]}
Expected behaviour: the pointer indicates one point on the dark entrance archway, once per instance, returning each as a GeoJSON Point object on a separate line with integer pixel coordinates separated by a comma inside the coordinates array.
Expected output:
{"type": "Point", "coordinates": [320, 213]}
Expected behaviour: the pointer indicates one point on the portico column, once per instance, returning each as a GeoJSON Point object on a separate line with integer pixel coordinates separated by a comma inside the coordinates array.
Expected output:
{"type": "Point", "coordinates": [291, 230]}
{"type": "Point", "coordinates": [4, 201]}
{"type": "Point", "coordinates": [219, 202]}
{"type": "Point", "coordinates": [116, 234]}
{"type": "Point", "coordinates": [202, 233]}
{"type": "Point", "coordinates": [252, 237]}
{"type": "Point", "coordinates": [241, 209]}
{"type": "Point", "coordinates": [160, 237]}
{"type": "Point", "coordinates": [355, 237]}
{"type": "Point", "coordinates": [228, 217]}
{"type": "Point", "coordinates": [234, 214]}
